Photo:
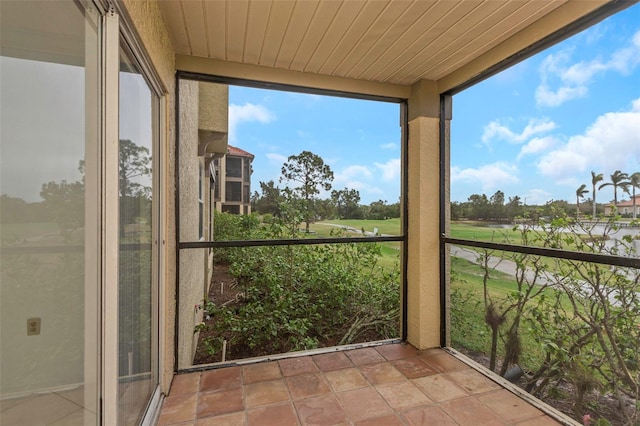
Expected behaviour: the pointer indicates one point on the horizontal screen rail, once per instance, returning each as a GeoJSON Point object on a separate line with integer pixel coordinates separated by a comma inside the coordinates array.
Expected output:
{"type": "Point", "coordinates": [605, 259]}
{"type": "Point", "coordinates": [14, 250]}
{"type": "Point", "coordinates": [287, 242]}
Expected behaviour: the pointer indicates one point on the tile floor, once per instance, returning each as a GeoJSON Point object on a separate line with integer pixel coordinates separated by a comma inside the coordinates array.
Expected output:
{"type": "Point", "coordinates": [64, 408]}
{"type": "Point", "coordinates": [384, 385]}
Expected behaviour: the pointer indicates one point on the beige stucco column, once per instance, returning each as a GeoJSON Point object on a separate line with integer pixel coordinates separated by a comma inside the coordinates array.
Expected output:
{"type": "Point", "coordinates": [423, 195]}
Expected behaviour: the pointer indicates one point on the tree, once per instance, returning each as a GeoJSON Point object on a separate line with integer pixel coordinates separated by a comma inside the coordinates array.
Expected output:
{"type": "Point", "coordinates": [65, 203]}
{"type": "Point", "coordinates": [618, 180]}
{"type": "Point", "coordinates": [478, 206]}
{"type": "Point", "coordinates": [133, 162]}
{"type": "Point", "coordinates": [270, 200]}
{"type": "Point", "coordinates": [513, 208]}
{"type": "Point", "coordinates": [347, 203]}
{"type": "Point", "coordinates": [497, 205]}
{"type": "Point", "coordinates": [595, 178]}
{"type": "Point", "coordinates": [134, 171]}
{"type": "Point", "coordinates": [634, 182]}
{"type": "Point", "coordinates": [582, 189]}
{"type": "Point", "coordinates": [310, 173]}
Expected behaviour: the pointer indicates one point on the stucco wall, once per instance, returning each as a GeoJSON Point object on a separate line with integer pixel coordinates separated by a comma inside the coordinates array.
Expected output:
{"type": "Point", "coordinates": [193, 261]}
{"type": "Point", "coordinates": [423, 192]}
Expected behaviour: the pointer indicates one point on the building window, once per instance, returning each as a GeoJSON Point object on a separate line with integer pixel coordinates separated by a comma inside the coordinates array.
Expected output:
{"type": "Point", "coordinates": [234, 167]}
{"type": "Point", "coordinates": [247, 170]}
{"type": "Point", "coordinates": [233, 191]}
{"type": "Point", "coordinates": [246, 195]}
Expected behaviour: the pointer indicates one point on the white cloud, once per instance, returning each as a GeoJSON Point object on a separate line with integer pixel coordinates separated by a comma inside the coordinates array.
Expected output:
{"type": "Point", "coordinates": [491, 176]}
{"type": "Point", "coordinates": [390, 145]}
{"type": "Point", "coordinates": [390, 169]}
{"type": "Point", "coordinates": [536, 197]}
{"type": "Point", "coordinates": [247, 113]}
{"type": "Point", "coordinates": [611, 143]}
{"type": "Point", "coordinates": [357, 177]}
{"type": "Point", "coordinates": [572, 80]}
{"type": "Point", "coordinates": [278, 159]}
{"type": "Point", "coordinates": [546, 97]}
{"type": "Point", "coordinates": [349, 173]}
{"type": "Point", "coordinates": [497, 131]}
{"type": "Point", "coordinates": [537, 145]}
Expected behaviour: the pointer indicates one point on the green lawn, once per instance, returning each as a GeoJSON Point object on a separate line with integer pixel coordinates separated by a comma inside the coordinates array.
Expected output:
{"type": "Point", "coordinates": [16, 232]}
{"type": "Point", "coordinates": [387, 227]}
{"type": "Point", "coordinates": [390, 252]}
{"type": "Point", "coordinates": [484, 233]}
{"type": "Point", "coordinates": [468, 327]}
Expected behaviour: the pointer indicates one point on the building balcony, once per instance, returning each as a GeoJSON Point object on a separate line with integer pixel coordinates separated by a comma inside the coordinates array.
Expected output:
{"type": "Point", "coordinates": [388, 384]}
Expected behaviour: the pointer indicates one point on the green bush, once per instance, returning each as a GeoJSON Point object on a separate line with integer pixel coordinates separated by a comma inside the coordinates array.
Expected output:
{"type": "Point", "coordinates": [301, 297]}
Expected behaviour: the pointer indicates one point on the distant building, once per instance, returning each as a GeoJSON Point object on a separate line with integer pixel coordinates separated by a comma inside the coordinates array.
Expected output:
{"type": "Point", "coordinates": [233, 181]}
{"type": "Point", "coordinates": [624, 207]}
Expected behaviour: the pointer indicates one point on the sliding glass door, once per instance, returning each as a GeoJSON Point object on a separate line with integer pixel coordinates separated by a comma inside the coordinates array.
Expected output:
{"type": "Point", "coordinates": [79, 218]}
{"type": "Point", "coordinates": [138, 229]}
{"type": "Point", "coordinates": [49, 213]}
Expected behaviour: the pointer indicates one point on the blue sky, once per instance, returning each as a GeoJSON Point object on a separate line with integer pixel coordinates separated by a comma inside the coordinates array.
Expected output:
{"type": "Point", "coordinates": [535, 130]}
{"type": "Point", "coordinates": [538, 129]}
{"type": "Point", "coordinates": [359, 140]}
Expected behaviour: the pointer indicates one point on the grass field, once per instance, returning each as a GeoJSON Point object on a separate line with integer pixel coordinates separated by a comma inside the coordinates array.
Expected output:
{"type": "Point", "coordinates": [390, 252]}
{"type": "Point", "coordinates": [17, 232]}
{"type": "Point", "coordinates": [386, 227]}
{"type": "Point", "coordinates": [469, 329]}
{"type": "Point", "coordinates": [468, 326]}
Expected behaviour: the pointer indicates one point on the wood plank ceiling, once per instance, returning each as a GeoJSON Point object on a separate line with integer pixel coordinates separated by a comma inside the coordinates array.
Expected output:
{"type": "Point", "coordinates": [389, 41]}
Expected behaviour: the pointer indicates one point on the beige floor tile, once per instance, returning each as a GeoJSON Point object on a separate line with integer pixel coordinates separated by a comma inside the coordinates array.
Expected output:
{"type": "Point", "coordinates": [332, 361]}
{"type": "Point", "coordinates": [471, 412]}
{"type": "Point", "coordinates": [378, 374]}
{"type": "Point", "coordinates": [412, 368]}
{"type": "Point", "coordinates": [396, 352]}
{"type": "Point", "coordinates": [439, 388]}
{"type": "Point", "coordinates": [403, 395]}
{"type": "Point", "coordinates": [221, 402]}
{"type": "Point", "coordinates": [346, 379]}
{"type": "Point", "coordinates": [365, 356]}
{"type": "Point", "coordinates": [297, 366]}
{"type": "Point", "coordinates": [365, 403]}
{"type": "Point", "coordinates": [261, 372]}
{"type": "Point", "coordinates": [185, 383]}
{"type": "Point", "coordinates": [321, 410]}
{"type": "Point", "coordinates": [222, 378]}
{"type": "Point", "coordinates": [508, 406]}
{"type": "Point", "coordinates": [308, 385]}
{"type": "Point", "coordinates": [234, 419]}
{"type": "Point", "coordinates": [41, 409]}
{"type": "Point", "coordinates": [390, 420]}
{"type": "Point", "coordinates": [429, 416]}
{"type": "Point", "coordinates": [179, 408]}
{"type": "Point", "coordinates": [264, 393]}
{"type": "Point", "coordinates": [273, 415]}
{"type": "Point", "coordinates": [472, 381]}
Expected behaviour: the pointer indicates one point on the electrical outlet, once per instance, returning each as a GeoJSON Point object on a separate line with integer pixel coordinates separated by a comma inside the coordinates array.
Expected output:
{"type": "Point", "coordinates": [33, 326]}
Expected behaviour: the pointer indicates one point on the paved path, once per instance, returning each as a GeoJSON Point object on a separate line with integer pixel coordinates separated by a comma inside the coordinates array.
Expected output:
{"type": "Point", "coordinates": [496, 263]}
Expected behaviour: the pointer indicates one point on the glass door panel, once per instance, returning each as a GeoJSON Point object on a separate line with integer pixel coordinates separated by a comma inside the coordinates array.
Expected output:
{"type": "Point", "coordinates": [49, 229]}
{"type": "Point", "coordinates": [137, 328]}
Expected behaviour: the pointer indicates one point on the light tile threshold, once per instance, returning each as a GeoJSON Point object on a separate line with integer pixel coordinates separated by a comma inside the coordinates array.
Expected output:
{"type": "Point", "coordinates": [389, 384]}
{"type": "Point", "coordinates": [51, 409]}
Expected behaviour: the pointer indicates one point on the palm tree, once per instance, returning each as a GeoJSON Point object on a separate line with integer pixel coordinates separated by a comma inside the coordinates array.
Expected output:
{"type": "Point", "coordinates": [634, 182]}
{"type": "Point", "coordinates": [580, 194]}
{"type": "Point", "coordinates": [595, 178]}
{"type": "Point", "coordinates": [618, 180]}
